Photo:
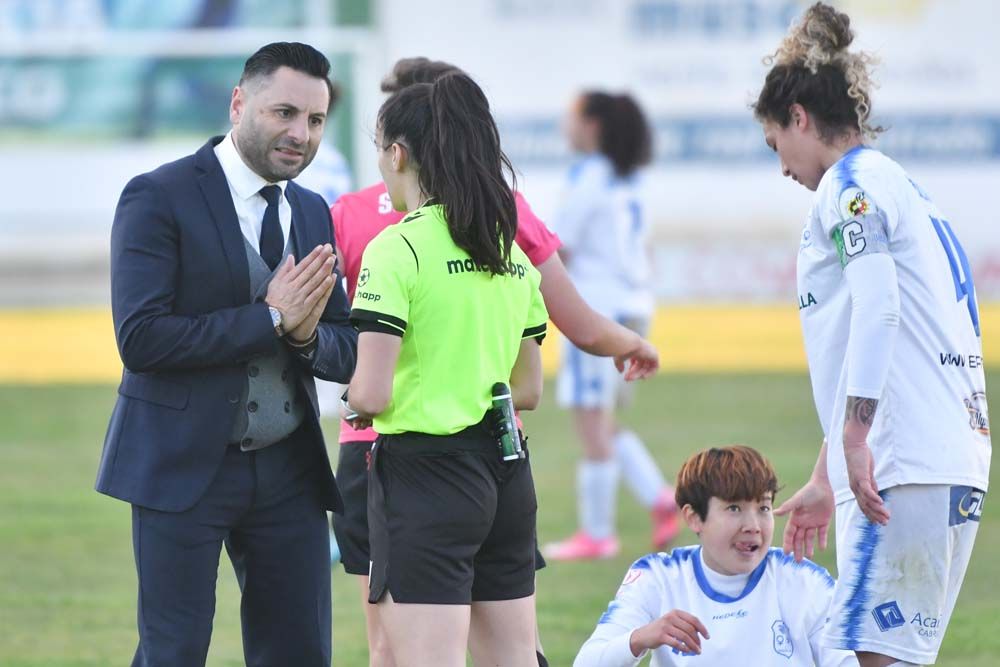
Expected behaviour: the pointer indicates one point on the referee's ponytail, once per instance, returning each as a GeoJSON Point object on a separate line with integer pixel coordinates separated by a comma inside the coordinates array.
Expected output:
{"type": "Point", "coordinates": [448, 128]}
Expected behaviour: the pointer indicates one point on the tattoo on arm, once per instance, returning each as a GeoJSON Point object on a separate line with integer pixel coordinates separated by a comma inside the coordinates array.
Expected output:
{"type": "Point", "coordinates": [861, 410]}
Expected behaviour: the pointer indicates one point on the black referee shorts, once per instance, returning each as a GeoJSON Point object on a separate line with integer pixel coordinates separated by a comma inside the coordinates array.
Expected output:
{"type": "Point", "coordinates": [351, 527]}
{"type": "Point", "coordinates": [449, 522]}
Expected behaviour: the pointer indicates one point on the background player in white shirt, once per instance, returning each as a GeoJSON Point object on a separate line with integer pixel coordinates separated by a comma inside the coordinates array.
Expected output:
{"type": "Point", "coordinates": [602, 226]}
{"type": "Point", "coordinates": [730, 601]}
{"type": "Point", "coordinates": [891, 332]}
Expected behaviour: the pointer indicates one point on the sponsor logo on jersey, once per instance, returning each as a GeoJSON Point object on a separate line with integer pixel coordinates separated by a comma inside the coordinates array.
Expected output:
{"type": "Point", "coordinates": [806, 239]}
{"type": "Point", "coordinates": [363, 277]}
{"type": "Point", "coordinates": [888, 616]}
{"type": "Point", "coordinates": [468, 265]}
{"type": "Point", "coordinates": [979, 416]}
{"type": "Point", "coordinates": [960, 360]}
{"type": "Point", "coordinates": [782, 641]}
{"type": "Point", "coordinates": [966, 505]}
{"type": "Point", "coordinates": [739, 613]}
{"type": "Point", "coordinates": [926, 624]}
{"type": "Point", "coordinates": [370, 296]}
{"type": "Point", "coordinates": [807, 300]}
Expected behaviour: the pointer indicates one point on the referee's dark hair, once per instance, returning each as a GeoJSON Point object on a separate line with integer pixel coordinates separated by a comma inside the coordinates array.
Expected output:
{"type": "Point", "coordinates": [624, 135]}
{"type": "Point", "coordinates": [447, 128]}
{"type": "Point", "coordinates": [408, 71]}
{"type": "Point", "coordinates": [294, 55]}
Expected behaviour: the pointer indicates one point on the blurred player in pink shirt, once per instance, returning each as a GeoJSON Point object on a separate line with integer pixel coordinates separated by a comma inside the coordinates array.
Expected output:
{"type": "Point", "coordinates": [358, 217]}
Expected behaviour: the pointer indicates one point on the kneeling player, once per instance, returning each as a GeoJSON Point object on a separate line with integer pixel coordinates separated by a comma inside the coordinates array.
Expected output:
{"type": "Point", "coordinates": [731, 600]}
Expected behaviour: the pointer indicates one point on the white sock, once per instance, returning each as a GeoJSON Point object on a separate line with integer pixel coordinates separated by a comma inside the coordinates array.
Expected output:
{"type": "Point", "coordinates": [640, 471]}
{"type": "Point", "coordinates": [596, 488]}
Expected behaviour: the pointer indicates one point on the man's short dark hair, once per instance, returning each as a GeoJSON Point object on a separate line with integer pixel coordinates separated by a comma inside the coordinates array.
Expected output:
{"type": "Point", "coordinates": [294, 55]}
{"type": "Point", "coordinates": [408, 71]}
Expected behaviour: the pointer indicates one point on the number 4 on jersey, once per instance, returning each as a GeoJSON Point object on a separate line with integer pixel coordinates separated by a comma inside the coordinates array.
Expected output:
{"type": "Point", "coordinates": [961, 272]}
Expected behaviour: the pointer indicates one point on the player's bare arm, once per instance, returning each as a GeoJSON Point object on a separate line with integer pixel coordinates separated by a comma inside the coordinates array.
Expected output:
{"type": "Point", "coordinates": [809, 513]}
{"type": "Point", "coordinates": [858, 421]}
{"type": "Point", "coordinates": [588, 329]}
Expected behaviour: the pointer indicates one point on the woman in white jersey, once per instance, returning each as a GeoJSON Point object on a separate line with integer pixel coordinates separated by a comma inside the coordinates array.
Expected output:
{"type": "Point", "coordinates": [602, 225]}
{"type": "Point", "coordinates": [887, 303]}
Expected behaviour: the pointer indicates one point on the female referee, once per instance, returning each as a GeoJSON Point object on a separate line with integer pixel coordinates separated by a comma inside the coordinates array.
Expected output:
{"type": "Point", "coordinates": [887, 298]}
{"type": "Point", "coordinates": [446, 307]}
{"type": "Point", "coordinates": [603, 229]}
{"type": "Point", "coordinates": [357, 218]}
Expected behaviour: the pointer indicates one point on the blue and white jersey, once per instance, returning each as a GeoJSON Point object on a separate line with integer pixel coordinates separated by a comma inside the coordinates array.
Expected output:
{"type": "Point", "coordinates": [778, 618]}
{"type": "Point", "coordinates": [932, 424]}
{"type": "Point", "coordinates": [602, 224]}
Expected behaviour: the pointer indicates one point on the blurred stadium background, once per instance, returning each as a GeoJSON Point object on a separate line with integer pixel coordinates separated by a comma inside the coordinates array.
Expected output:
{"type": "Point", "coordinates": [93, 92]}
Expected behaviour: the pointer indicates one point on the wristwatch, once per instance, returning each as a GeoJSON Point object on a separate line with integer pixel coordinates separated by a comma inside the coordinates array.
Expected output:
{"type": "Point", "coordinates": [276, 321]}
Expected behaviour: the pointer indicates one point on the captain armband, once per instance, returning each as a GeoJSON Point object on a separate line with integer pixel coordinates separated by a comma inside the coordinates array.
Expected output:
{"type": "Point", "coordinates": [862, 230]}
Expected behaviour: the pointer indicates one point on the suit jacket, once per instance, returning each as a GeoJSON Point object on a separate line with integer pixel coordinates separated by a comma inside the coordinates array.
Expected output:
{"type": "Point", "coordinates": [185, 327]}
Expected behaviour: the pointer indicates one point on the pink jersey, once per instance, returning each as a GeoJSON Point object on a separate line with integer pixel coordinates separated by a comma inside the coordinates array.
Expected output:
{"type": "Point", "coordinates": [359, 216]}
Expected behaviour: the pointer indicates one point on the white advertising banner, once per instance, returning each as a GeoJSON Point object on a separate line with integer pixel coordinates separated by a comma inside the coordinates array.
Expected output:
{"type": "Point", "coordinates": [726, 222]}
{"type": "Point", "coordinates": [76, 125]}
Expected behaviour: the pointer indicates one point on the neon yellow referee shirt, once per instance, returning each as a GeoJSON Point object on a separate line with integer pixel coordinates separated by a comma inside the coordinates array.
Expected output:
{"type": "Point", "coordinates": [461, 326]}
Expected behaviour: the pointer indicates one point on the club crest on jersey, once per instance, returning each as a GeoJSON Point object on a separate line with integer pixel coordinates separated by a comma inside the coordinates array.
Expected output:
{"type": "Point", "coordinates": [782, 639]}
{"type": "Point", "coordinates": [979, 419]}
{"type": "Point", "coordinates": [854, 203]}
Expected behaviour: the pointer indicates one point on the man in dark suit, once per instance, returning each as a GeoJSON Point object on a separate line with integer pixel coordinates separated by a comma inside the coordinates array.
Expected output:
{"type": "Point", "coordinates": [215, 437]}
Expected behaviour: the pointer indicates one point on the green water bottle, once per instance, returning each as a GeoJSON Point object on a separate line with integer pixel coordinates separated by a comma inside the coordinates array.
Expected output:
{"type": "Point", "coordinates": [505, 423]}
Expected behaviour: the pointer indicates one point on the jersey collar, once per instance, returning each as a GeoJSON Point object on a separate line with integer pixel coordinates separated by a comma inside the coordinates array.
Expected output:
{"type": "Point", "coordinates": [711, 593]}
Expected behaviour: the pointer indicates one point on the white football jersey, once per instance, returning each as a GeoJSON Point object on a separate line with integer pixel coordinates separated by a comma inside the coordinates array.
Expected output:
{"type": "Point", "coordinates": [931, 425]}
{"type": "Point", "coordinates": [602, 224]}
{"type": "Point", "coordinates": [778, 619]}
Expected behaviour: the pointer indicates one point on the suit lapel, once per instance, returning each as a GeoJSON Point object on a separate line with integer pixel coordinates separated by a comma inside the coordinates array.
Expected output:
{"type": "Point", "coordinates": [302, 241]}
{"type": "Point", "coordinates": [215, 189]}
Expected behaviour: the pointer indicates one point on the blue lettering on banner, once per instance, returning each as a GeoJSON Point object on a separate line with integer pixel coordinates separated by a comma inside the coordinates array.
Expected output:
{"type": "Point", "coordinates": [888, 616]}
{"type": "Point", "coordinates": [966, 505]}
{"type": "Point", "coordinates": [709, 18]}
{"type": "Point", "coordinates": [729, 138]}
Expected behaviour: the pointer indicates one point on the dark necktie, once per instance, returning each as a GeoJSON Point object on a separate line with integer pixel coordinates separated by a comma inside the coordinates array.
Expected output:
{"type": "Point", "coordinates": [272, 240]}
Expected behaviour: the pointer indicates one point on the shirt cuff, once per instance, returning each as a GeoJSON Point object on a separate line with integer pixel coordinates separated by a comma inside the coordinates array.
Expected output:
{"type": "Point", "coordinates": [538, 333]}
{"type": "Point", "coordinates": [622, 651]}
{"type": "Point", "coordinates": [369, 320]}
{"type": "Point", "coordinates": [304, 350]}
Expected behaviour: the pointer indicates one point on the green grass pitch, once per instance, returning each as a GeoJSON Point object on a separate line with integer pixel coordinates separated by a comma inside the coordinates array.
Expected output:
{"type": "Point", "coordinates": [67, 580]}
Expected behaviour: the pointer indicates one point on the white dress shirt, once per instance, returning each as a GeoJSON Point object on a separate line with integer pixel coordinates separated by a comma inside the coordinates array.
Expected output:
{"type": "Point", "coordinates": [244, 186]}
